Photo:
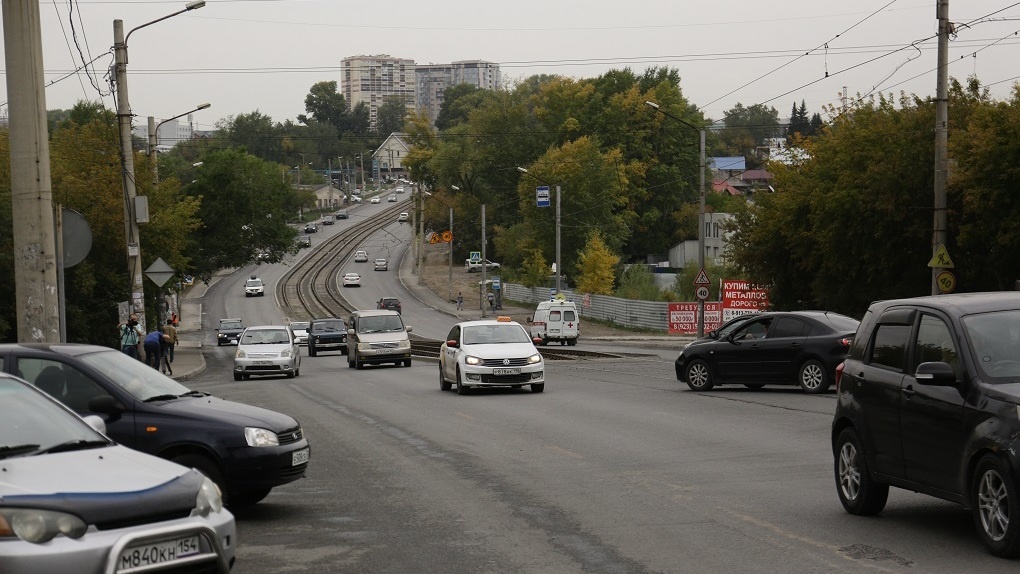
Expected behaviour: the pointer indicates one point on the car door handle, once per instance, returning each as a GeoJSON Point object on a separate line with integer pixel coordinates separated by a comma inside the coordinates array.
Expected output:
{"type": "Point", "coordinates": [909, 391]}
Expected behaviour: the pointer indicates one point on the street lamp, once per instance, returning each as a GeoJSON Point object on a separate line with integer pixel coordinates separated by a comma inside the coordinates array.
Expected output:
{"type": "Point", "coordinates": [559, 268]}
{"type": "Point", "coordinates": [154, 137]}
{"type": "Point", "coordinates": [131, 235]}
{"type": "Point", "coordinates": [701, 207]}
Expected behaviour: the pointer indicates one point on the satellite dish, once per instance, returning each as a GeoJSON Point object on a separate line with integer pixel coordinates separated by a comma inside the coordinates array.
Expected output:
{"type": "Point", "coordinates": [76, 235]}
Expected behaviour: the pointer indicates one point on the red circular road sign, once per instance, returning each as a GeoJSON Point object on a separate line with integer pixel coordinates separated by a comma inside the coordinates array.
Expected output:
{"type": "Point", "coordinates": [701, 293]}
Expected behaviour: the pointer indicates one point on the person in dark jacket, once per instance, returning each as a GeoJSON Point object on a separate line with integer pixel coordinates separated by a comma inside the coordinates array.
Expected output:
{"type": "Point", "coordinates": [153, 345]}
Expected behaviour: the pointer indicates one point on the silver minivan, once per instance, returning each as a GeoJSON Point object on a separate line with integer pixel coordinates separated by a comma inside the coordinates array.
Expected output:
{"type": "Point", "coordinates": [376, 337]}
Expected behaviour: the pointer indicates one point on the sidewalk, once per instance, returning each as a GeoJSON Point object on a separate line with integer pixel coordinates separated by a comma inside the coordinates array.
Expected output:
{"type": "Point", "coordinates": [189, 360]}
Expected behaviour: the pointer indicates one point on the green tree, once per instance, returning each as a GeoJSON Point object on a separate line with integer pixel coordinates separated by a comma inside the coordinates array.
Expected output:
{"type": "Point", "coordinates": [458, 102]}
{"type": "Point", "coordinates": [534, 271]}
{"type": "Point", "coordinates": [326, 105]}
{"type": "Point", "coordinates": [255, 133]}
{"type": "Point", "coordinates": [596, 266]}
{"type": "Point", "coordinates": [390, 116]}
{"type": "Point", "coordinates": [747, 128]}
{"type": "Point", "coordinates": [799, 122]}
{"type": "Point", "coordinates": [638, 282]}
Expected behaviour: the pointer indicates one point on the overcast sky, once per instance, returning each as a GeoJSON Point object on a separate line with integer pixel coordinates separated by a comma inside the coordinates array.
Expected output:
{"type": "Point", "coordinates": [247, 55]}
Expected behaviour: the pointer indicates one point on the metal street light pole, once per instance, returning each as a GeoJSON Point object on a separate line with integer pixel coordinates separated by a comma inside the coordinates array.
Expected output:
{"type": "Point", "coordinates": [559, 268]}
{"type": "Point", "coordinates": [701, 206]}
{"type": "Point", "coordinates": [154, 137]}
{"type": "Point", "coordinates": [134, 251]}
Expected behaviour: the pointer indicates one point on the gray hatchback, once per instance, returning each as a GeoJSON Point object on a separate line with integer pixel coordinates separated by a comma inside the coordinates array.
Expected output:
{"type": "Point", "coordinates": [72, 500]}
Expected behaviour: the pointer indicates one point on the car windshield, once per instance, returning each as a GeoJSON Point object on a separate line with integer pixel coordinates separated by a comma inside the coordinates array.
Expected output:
{"type": "Point", "coordinates": [231, 325]}
{"type": "Point", "coordinates": [495, 334]}
{"type": "Point", "coordinates": [995, 343]}
{"type": "Point", "coordinates": [328, 326]}
{"type": "Point", "coordinates": [380, 324]}
{"type": "Point", "coordinates": [265, 337]}
{"type": "Point", "coordinates": [133, 376]}
{"type": "Point", "coordinates": [254, 283]}
{"type": "Point", "coordinates": [33, 423]}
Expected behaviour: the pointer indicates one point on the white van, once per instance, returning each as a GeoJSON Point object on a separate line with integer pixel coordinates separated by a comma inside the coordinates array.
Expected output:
{"type": "Point", "coordinates": [556, 320]}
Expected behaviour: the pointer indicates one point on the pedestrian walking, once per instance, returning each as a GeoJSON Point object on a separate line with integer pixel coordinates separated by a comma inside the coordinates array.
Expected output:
{"type": "Point", "coordinates": [171, 332]}
{"type": "Point", "coordinates": [153, 348]}
{"type": "Point", "coordinates": [130, 336]}
{"type": "Point", "coordinates": [460, 300]}
{"type": "Point", "coordinates": [164, 353]}
{"type": "Point", "coordinates": [492, 301]}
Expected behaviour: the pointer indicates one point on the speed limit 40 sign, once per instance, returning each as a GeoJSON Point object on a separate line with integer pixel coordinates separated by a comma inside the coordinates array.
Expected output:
{"type": "Point", "coordinates": [701, 293]}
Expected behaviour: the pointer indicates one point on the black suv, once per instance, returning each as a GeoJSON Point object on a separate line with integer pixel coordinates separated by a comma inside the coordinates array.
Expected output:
{"type": "Point", "coordinates": [928, 401]}
{"type": "Point", "coordinates": [245, 450]}
{"type": "Point", "coordinates": [229, 331]}
{"type": "Point", "coordinates": [327, 334]}
{"type": "Point", "coordinates": [391, 303]}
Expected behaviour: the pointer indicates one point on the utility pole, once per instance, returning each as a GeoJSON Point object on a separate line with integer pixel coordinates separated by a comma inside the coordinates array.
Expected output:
{"type": "Point", "coordinates": [484, 287]}
{"type": "Point", "coordinates": [127, 172]}
{"type": "Point", "coordinates": [938, 238]}
{"type": "Point", "coordinates": [329, 179]}
{"type": "Point", "coordinates": [449, 294]}
{"type": "Point", "coordinates": [421, 233]}
{"type": "Point", "coordinates": [35, 255]}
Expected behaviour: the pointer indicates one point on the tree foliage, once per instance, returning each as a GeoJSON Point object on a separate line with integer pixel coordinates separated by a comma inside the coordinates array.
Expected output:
{"type": "Point", "coordinates": [596, 266]}
{"type": "Point", "coordinates": [390, 116]}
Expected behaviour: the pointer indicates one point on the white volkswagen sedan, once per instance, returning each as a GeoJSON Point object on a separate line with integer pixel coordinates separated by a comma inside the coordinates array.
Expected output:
{"type": "Point", "coordinates": [352, 280]}
{"type": "Point", "coordinates": [490, 353]}
{"type": "Point", "coordinates": [267, 350]}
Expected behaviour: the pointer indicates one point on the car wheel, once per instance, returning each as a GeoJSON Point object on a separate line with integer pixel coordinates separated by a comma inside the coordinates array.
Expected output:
{"type": "Point", "coordinates": [461, 389]}
{"type": "Point", "coordinates": [812, 377]}
{"type": "Point", "coordinates": [311, 351]}
{"type": "Point", "coordinates": [572, 342]}
{"type": "Point", "coordinates": [994, 500]}
{"type": "Point", "coordinates": [297, 372]}
{"type": "Point", "coordinates": [358, 364]}
{"type": "Point", "coordinates": [699, 376]}
{"type": "Point", "coordinates": [248, 498]}
{"type": "Point", "coordinates": [444, 385]}
{"type": "Point", "coordinates": [206, 466]}
{"type": "Point", "coordinates": [858, 492]}
{"type": "Point", "coordinates": [237, 376]}
{"type": "Point", "coordinates": [537, 387]}
{"type": "Point", "coordinates": [407, 362]}
{"type": "Point", "coordinates": [350, 363]}
{"type": "Point", "coordinates": [291, 375]}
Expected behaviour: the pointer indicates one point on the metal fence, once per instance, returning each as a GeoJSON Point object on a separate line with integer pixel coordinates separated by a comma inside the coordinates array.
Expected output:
{"type": "Point", "coordinates": [652, 315]}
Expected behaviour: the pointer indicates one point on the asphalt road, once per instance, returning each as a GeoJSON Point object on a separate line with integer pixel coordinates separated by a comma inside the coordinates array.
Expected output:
{"type": "Point", "coordinates": [616, 468]}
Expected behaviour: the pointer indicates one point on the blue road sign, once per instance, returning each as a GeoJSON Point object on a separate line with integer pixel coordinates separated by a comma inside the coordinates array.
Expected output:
{"type": "Point", "coordinates": [542, 196]}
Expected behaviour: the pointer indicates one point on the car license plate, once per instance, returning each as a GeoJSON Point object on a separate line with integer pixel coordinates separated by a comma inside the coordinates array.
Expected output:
{"type": "Point", "coordinates": [158, 553]}
{"type": "Point", "coordinates": [499, 372]}
{"type": "Point", "coordinates": [263, 363]}
{"type": "Point", "coordinates": [300, 457]}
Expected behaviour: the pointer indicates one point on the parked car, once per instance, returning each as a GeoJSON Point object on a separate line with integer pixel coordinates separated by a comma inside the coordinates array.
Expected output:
{"type": "Point", "coordinates": [245, 450]}
{"type": "Point", "coordinates": [327, 334]}
{"type": "Point", "coordinates": [377, 336]}
{"type": "Point", "coordinates": [392, 198]}
{"type": "Point", "coordinates": [381, 265]}
{"type": "Point", "coordinates": [777, 348]}
{"type": "Point", "coordinates": [72, 500]}
{"type": "Point", "coordinates": [352, 279]}
{"type": "Point", "coordinates": [490, 353]}
{"type": "Point", "coordinates": [404, 216]}
{"type": "Point", "coordinates": [928, 401]}
{"type": "Point", "coordinates": [254, 287]}
{"type": "Point", "coordinates": [391, 303]}
{"type": "Point", "coordinates": [267, 350]}
{"type": "Point", "coordinates": [360, 256]}
{"type": "Point", "coordinates": [229, 331]}
{"type": "Point", "coordinates": [310, 228]}
{"type": "Point", "coordinates": [473, 266]}
{"type": "Point", "coordinates": [342, 214]}
{"type": "Point", "coordinates": [300, 330]}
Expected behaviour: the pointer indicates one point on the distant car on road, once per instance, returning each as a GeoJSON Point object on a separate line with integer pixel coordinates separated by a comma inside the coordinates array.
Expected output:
{"type": "Point", "coordinates": [404, 216]}
{"type": "Point", "coordinates": [327, 334]}
{"type": "Point", "coordinates": [352, 280]}
{"type": "Point", "coordinates": [375, 200]}
{"type": "Point", "coordinates": [392, 198]}
{"type": "Point", "coordinates": [342, 214]}
{"type": "Point", "coordinates": [229, 331]}
{"type": "Point", "coordinates": [254, 287]}
{"type": "Point", "coordinates": [300, 330]}
{"type": "Point", "coordinates": [490, 353]}
{"type": "Point", "coordinates": [360, 256]}
{"type": "Point", "coordinates": [391, 303]}
{"type": "Point", "coordinates": [476, 266]}
{"type": "Point", "coordinates": [381, 265]}
{"type": "Point", "coordinates": [775, 348]}
{"type": "Point", "coordinates": [304, 241]}
{"type": "Point", "coordinates": [310, 228]}
{"type": "Point", "coordinates": [267, 350]}
{"type": "Point", "coordinates": [327, 220]}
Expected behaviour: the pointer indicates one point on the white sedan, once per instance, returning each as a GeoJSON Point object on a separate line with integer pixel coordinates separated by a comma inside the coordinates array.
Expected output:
{"type": "Point", "coordinates": [352, 280]}
{"type": "Point", "coordinates": [490, 353]}
{"type": "Point", "coordinates": [374, 200]}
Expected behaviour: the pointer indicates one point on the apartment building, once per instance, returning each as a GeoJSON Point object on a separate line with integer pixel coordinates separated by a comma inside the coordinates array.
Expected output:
{"type": "Point", "coordinates": [432, 79]}
{"type": "Point", "coordinates": [168, 134]}
{"type": "Point", "coordinates": [372, 79]}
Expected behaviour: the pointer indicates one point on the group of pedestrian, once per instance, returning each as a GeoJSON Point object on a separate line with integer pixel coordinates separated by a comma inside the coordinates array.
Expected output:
{"type": "Point", "coordinates": [158, 344]}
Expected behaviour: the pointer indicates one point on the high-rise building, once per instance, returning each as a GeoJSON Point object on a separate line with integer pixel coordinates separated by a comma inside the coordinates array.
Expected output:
{"type": "Point", "coordinates": [372, 79]}
{"type": "Point", "coordinates": [432, 79]}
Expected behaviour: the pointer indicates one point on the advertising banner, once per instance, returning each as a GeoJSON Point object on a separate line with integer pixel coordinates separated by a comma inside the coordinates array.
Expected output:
{"type": "Point", "coordinates": [683, 317]}
{"type": "Point", "coordinates": [743, 298]}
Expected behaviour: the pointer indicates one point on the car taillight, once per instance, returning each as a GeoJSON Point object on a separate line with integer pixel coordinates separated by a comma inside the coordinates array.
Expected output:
{"type": "Point", "coordinates": [839, 375]}
{"type": "Point", "coordinates": [845, 341]}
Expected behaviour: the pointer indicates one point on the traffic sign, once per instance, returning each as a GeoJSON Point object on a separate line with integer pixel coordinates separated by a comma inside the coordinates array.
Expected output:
{"type": "Point", "coordinates": [701, 293]}
{"type": "Point", "coordinates": [447, 236]}
{"type": "Point", "coordinates": [941, 258]}
{"type": "Point", "coordinates": [542, 196]}
{"type": "Point", "coordinates": [702, 278]}
{"type": "Point", "coordinates": [495, 283]}
{"type": "Point", "coordinates": [476, 256]}
{"type": "Point", "coordinates": [946, 281]}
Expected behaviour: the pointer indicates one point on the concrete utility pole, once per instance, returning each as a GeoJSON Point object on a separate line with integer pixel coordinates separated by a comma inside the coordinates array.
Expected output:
{"type": "Point", "coordinates": [421, 233]}
{"type": "Point", "coordinates": [939, 235]}
{"type": "Point", "coordinates": [485, 287]}
{"type": "Point", "coordinates": [35, 251]}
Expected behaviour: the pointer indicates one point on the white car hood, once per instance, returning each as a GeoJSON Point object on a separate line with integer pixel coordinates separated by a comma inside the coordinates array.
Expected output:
{"type": "Point", "coordinates": [264, 350]}
{"type": "Point", "coordinates": [99, 470]}
{"type": "Point", "coordinates": [501, 350]}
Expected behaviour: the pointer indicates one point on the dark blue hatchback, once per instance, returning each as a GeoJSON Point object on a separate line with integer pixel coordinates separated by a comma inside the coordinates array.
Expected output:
{"type": "Point", "coordinates": [245, 450]}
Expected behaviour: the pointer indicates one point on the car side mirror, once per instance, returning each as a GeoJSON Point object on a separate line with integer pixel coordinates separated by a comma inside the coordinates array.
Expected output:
{"type": "Point", "coordinates": [529, 320]}
{"type": "Point", "coordinates": [452, 343]}
{"type": "Point", "coordinates": [350, 332]}
{"type": "Point", "coordinates": [936, 373]}
{"type": "Point", "coordinates": [96, 423]}
{"type": "Point", "coordinates": [105, 404]}
{"type": "Point", "coordinates": [407, 328]}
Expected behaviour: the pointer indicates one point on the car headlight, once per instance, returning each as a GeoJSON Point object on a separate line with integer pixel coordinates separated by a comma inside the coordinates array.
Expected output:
{"type": "Point", "coordinates": [221, 335]}
{"type": "Point", "coordinates": [39, 526]}
{"type": "Point", "coordinates": [285, 353]}
{"type": "Point", "coordinates": [402, 345]}
{"type": "Point", "coordinates": [260, 437]}
{"type": "Point", "coordinates": [364, 346]}
{"type": "Point", "coordinates": [209, 498]}
{"type": "Point", "coordinates": [536, 358]}
{"type": "Point", "coordinates": [239, 354]}
{"type": "Point", "coordinates": [472, 360]}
